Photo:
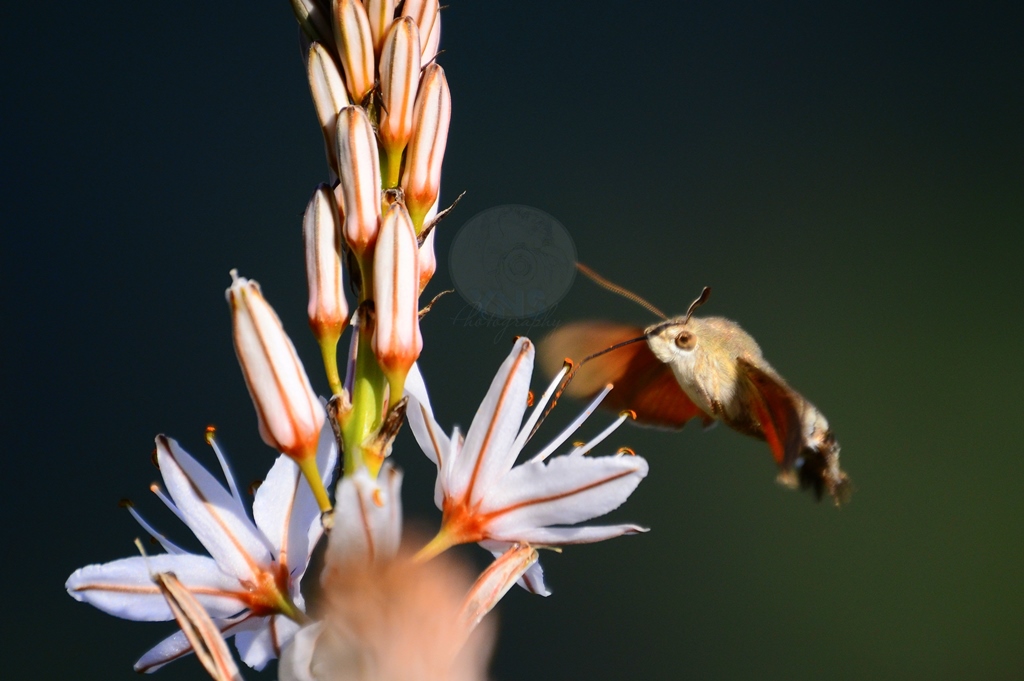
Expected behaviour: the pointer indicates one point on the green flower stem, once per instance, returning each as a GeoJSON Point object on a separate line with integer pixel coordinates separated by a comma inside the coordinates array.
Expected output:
{"type": "Point", "coordinates": [287, 608]}
{"type": "Point", "coordinates": [391, 169]}
{"type": "Point", "coordinates": [367, 400]}
{"type": "Point", "coordinates": [329, 350]}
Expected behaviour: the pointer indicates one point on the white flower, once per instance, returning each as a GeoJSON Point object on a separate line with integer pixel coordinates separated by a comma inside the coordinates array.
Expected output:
{"type": "Point", "coordinates": [250, 581]}
{"type": "Point", "coordinates": [485, 498]}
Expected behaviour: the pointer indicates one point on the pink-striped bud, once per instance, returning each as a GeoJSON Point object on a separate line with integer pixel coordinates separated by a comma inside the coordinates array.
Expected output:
{"type": "Point", "coordinates": [290, 415]}
{"type": "Point", "coordinates": [427, 15]}
{"type": "Point", "coordinates": [329, 96]}
{"type": "Point", "coordinates": [422, 177]}
{"type": "Point", "coordinates": [327, 309]}
{"type": "Point", "coordinates": [313, 19]}
{"type": "Point", "coordinates": [399, 77]}
{"type": "Point", "coordinates": [396, 337]}
{"type": "Point", "coordinates": [359, 172]}
{"type": "Point", "coordinates": [355, 46]}
{"type": "Point", "coordinates": [380, 13]}
{"type": "Point", "coordinates": [427, 259]}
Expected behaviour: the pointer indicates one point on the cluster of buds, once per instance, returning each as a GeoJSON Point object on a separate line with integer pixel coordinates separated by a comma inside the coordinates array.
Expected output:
{"type": "Point", "coordinates": [384, 107]}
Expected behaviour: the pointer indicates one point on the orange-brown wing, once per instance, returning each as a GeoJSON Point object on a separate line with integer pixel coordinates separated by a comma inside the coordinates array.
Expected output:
{"type": "Point", "coordinates": [777, 408]}
{"type": "Point", "coordinates": [642, 382]}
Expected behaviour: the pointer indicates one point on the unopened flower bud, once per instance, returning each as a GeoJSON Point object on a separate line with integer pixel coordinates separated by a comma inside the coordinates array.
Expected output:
{"type": "Point", "coordinates": [380, 13]}
{"type": "Point", "coordinates": [359, 172]}
{"type": "Point", "coordinates": [327, 309]}
{"type": "Point", "coordinates": [355, 46]}
{"type": "Point", "coordinates": [312, 18]}
{"type": "Point", "coordinates": [422, 177]}
{"type": "Point", "coordinates": [427, 259]}
{"type": "Point", "coordinates": [290, 415]}
{"type": "Point", "coordinates": [399, 77]}
{"type": "Point", "coordinates": [427, 15]}
{"type": "Point", "coordinates": [329, 96]}
{"type": "Point", "coordinates": [396, 337]}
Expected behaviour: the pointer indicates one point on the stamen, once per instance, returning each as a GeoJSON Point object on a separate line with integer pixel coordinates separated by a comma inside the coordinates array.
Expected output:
{"type": "Point", "coordinates": [162, 496]}
{"type": "Point", "coordinates": [167, 544]}
{"type": "Point", "coordinates": [211, 439]}
{"type": "Point", "coordinates": [572, 427]}
{"type": "Point", "coordinates": [605, 433]}
{"type": "Point", "coordinates": [530, 427]}
{"type": "Point", "coordinates": [626, 450]}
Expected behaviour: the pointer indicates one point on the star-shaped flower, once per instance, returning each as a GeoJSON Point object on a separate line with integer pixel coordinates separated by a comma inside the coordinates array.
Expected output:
{"type": "Point", "coordinates": [486, 498]}
{"type": "Point", "coordinates": [250, 581]}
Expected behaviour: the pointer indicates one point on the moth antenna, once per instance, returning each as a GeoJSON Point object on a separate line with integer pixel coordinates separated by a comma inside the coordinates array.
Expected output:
{"type": "Point", "coordinates": [615, 288]}
{"type": "Point", "coordinates": [701, 299]}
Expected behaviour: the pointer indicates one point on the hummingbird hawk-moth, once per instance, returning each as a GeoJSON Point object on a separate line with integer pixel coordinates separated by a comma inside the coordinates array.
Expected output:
{"type": "Point", "coordinates": [705, 368]}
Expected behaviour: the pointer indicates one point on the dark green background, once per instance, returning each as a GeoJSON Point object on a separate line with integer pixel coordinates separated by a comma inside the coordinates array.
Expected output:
{"type": "Point", "coordinates": [849, 180]}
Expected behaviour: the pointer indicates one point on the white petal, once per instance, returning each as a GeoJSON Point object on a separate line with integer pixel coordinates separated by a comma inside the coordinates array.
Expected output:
{"type": "Point", "coordinates": [214, 516]}
{"type": "Point", "coordinates": [176, 646]}
{"type": "Point", "coordinates": [561, 491]}
{"type": "Point", "coordinates": [487, 454]}
{"type": "Point", "coordinates": [286, 510]}
{"type": "Point", "coordinates": [297, 659]}
{"type": "Point", "coordinates": [172, 648]}
{"type": "Point", "coordinates": [368, 516]}
{"type": "Point", "coordinates": [533, 580]}
{"type": "Point", "coordinates": [429, 435]}
{"type": "Point", "coordinates": [125, 587]}
{"type": "Point", "coordinates": [260, 640]}
{"type": "Point", "coordinates": [561, 536]}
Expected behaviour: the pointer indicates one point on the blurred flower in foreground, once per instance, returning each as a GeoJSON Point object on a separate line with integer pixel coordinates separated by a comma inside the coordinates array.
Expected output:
{"type": "Point", "coordinates": [485, 499]}
{"type": "Point", "coordinates": [250, 585]}
{"type": "Point", "coordinates": [386, 617]}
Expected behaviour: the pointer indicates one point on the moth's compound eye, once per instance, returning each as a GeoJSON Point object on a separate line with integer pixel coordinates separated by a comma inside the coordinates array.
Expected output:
{"type": "Point", "coordinates": [686, 340]}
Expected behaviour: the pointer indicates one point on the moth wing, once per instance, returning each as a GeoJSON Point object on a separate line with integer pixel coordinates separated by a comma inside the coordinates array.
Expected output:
{"type": "Point", "coordinates": [777, 408]}
{"type": "Point", "coordinates": [642, 382]}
